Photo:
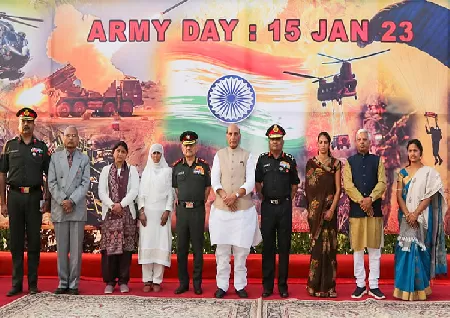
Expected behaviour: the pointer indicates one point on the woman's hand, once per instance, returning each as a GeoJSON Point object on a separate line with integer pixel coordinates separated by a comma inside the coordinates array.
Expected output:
{"type": "Point", "coordinates": [117, 209]}
{"type": "Point", "coordinates": [411, 218]}
{"type": "Point", "coordinates": [142, 217]}
{"type": "Point", "coordinates": [164, 217]}
{"type": "Point", "coordinates": [328, 215]}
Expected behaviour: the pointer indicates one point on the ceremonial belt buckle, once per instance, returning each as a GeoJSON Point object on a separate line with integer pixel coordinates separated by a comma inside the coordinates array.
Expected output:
{"type": "Point", "coordinates": [24, 189]}
{"type": "Point", "coordinates": [275, 201]}
{"type": "Point", "coordinates": [189, 205]}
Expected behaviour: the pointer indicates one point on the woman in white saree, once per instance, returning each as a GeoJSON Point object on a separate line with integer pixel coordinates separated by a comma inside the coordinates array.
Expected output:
{"type": "Point", "coordinates": [420, 253]}
{"type": "Point", "coordinates": [155, 203]}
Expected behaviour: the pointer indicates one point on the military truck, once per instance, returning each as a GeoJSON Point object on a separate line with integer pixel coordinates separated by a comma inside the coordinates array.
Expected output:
{"type": "Point", "coordinates": [69, 99]}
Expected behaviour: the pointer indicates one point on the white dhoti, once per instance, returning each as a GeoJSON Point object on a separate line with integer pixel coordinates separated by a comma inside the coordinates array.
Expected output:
{"type": "Point", "coordinates": [233, 232]}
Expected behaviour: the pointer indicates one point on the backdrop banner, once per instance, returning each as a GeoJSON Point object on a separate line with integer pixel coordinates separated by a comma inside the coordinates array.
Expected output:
{"type": "Point", "coordinates": [144, 72]}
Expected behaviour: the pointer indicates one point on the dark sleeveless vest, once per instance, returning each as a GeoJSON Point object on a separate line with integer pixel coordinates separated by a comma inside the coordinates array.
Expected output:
{"type": "Point", "coordinates": [365, 178]}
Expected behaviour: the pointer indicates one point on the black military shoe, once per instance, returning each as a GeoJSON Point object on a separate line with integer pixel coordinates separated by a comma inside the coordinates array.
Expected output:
{"type": "Point", "coordinates": [284, 294]}
{"type": "Point", "coordinates": [33, 290]}
{"type": "Point", "coordinates": [73, 291]}
{"type": "Point", "coordinates": [59, 291]}
{"type": "Point", "coordinates": [242, 293]}
{"type": "Point", "coordinates": [267, 293]}
{"type": "Point", "coordinates": [181, 289]}
{"type": "Point", "coordinates": [198, 290]}
{"type": "Point", "coordinates": [14, 291]}
{"type": "Point", "coordinates": [219, 293]}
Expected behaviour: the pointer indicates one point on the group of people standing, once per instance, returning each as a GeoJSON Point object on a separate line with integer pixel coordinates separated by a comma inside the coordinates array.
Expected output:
{"type": "Point", "coordinates": [146, 203]}
{"type": "Point", "coordinates": [420, 252]}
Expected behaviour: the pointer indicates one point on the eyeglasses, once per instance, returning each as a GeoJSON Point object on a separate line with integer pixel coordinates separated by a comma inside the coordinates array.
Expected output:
{"type": "Point", "coordinates": [71, 135]}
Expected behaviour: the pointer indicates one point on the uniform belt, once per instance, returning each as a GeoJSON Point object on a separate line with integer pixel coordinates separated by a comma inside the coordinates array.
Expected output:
{"type": "Point", "coordinates": [25, 189]}
{"type": "Point", "coordinates": [191, 204]}
{"type": "Point", "coordinates": [278, 200]}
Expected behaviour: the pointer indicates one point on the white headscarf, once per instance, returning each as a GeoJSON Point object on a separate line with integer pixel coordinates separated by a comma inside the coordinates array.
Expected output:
{"type": "Point", "coordinates": [155, 185]}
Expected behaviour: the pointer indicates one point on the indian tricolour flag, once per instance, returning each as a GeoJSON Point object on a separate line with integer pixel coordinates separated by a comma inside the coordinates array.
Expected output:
{"type": "Point", "coordinates": [204, 79]}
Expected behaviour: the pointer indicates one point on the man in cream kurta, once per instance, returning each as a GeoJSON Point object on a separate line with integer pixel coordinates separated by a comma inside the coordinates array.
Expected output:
{"type": "Point", "coordinates": [233, 221]}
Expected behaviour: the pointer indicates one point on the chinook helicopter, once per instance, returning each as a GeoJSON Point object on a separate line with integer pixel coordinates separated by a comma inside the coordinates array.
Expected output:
{"type": "Point", "coordinates": [14, 51]}
{"type": "Point", "coordinates": [343, 84]}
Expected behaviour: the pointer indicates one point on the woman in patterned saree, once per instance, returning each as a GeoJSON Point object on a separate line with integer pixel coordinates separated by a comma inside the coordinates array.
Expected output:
{"type": "Point", "coordinates": [118, 188]}
{"type": "Point", "coordinates": [323, 187]}
{"type": "Point", "coordinates": [420, 253]}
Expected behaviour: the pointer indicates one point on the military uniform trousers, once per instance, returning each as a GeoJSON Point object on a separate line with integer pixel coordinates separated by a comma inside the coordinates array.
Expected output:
{"type": "Point", "coordinates": [25, 217]}
{"type": "Point", "coordinates": [190, 227]}
{"type": "Point", "coordinates": [276, 225]}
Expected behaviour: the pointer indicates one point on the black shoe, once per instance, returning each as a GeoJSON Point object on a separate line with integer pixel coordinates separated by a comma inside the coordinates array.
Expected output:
{"type": "Point", "coordinates": [59, 291]}
{"type": "Point", "coordinates": [267, 293]}
{"type": "Point", "coordinates": [73, 291]}
{"type": "Point", "coordinates": [440, 161]}
{"type": "Point", "coordinates": [359, 292]}
{"type": "Point", "coordinates": [242, 293]}
{"type": "Point", "coordinates": [33, 290]}
{"type": "Point", "coordinates": [181, 289]}
{"type": "Point", "coordinates": [14, 291]}
{"type": "Point", "coordinates": [219, 293]}
{"type": "Point", "coordinates": [284, 294]}
{"type": "Point", "coordinates": [376, 293]}
{"type": "Point", "coordinates": [198, 290]}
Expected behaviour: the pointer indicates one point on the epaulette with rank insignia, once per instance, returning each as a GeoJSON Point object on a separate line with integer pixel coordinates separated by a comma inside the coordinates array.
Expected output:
{"type": "Point", "coordinates": [177, 162]}
{"type": "Point", "coordinates": [263, 154]}
{"type": "Point", "coordinates": [290, 156]}
{"type": "Point", "coordinates": [203, 160]}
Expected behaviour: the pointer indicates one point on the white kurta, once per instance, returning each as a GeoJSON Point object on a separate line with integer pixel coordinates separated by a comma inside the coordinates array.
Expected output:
{"type": "Point", "coordinates": [155, 241]}
{"type": "Point", "coordinates": [238, 228]}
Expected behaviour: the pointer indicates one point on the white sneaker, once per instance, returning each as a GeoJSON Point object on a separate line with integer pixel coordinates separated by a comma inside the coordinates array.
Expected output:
{"type": "Point", "coordinates": [109, 289]}
{"type": "Point", "coordinates": [124, 288]}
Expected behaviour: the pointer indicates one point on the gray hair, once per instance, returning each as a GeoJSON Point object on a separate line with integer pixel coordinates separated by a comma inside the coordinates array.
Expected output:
{"type": "Point", "coordinates": [363, 131]}
{"type": "Point", "coordinates": [70, 127]}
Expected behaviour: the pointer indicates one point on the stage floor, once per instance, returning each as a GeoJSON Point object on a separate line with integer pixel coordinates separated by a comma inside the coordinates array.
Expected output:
{"type": "Point", "coordinates": [297, 290]}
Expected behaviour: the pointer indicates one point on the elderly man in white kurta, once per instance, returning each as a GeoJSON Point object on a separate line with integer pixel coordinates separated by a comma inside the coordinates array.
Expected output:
{"type": "Point", "coordinates": [233, 221]}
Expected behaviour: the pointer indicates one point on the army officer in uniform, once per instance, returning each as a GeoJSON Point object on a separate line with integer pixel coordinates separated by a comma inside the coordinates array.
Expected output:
{"type": "Point", "coordinates": [191, 178]}
{"type": "Point", "coordinates": [276, 182]}
{"type": "Point", "coordinates": [24, 159]}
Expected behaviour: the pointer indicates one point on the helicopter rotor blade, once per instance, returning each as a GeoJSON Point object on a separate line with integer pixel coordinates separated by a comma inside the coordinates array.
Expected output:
{"type": "Point", "coordinates": [321, 78]}
{"type": "Point", "coordinates": [331, 57]}
{"type": "Point", "coordinates": [300, 75]}
{"type": "Point", "coordinates": [368, 55]}
{"type": "Point", "coordinates": [20, 22]}
{"type": "Point", "coordinates": [23, 18]}
{"type": "Point", "coordinates": [336, 62]}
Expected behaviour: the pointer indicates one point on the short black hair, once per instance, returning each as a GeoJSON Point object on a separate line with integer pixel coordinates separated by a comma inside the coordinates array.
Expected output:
{"type": "Point", "coordinates": [120, 143]}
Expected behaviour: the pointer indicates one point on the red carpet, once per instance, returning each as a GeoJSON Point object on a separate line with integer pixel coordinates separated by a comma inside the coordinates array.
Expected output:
{"type": "Point", "coordinates": [298, 270]}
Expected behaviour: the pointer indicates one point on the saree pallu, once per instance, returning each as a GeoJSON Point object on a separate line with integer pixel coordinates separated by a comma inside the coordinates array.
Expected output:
{"type": "Point", "coordinates": [420, 253]}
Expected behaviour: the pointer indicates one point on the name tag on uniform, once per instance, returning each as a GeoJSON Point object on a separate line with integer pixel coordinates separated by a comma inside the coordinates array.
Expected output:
{"type": "Point", "coordinates": [180, 173]}
{"type": "Point", "coordinates": [199, 170]}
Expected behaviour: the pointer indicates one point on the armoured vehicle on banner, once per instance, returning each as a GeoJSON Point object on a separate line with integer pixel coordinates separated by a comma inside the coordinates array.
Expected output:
{"type": "Point", "coordinates": [340, 141]}
{"type": "Point", "coordinates": [69, 99]}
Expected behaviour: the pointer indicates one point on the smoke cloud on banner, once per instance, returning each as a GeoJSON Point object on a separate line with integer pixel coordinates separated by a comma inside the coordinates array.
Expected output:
{"type": "Point", "coordinates": [67, 44]}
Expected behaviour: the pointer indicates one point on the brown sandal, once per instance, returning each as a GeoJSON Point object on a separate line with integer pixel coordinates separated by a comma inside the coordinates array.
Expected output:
{"type": "Point", "coordinates": [156, 287]}
{"type": "Point", "coordinates": [148, 287]}
{"type": "Point", "coordinates": [332, 294]}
